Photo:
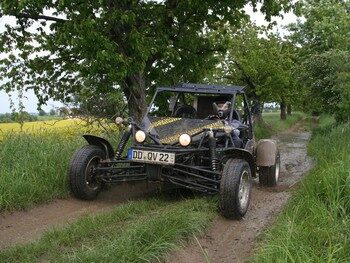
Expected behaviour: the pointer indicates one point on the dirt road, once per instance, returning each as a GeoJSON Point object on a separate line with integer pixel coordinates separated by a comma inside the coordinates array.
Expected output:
{"type": "Point", "coordinates": [25, 226]}
{"type": "Point", "coordinates": [226, 241]}
{"type": "Point", "coordinates": [233, 241]}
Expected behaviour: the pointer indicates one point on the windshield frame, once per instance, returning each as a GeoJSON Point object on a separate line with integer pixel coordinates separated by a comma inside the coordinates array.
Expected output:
{"type": "Point", "coordinates": [181, 92]}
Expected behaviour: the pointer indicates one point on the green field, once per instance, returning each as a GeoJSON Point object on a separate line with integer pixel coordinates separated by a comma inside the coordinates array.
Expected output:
{"type": "Point", "coordinates": [315, 226]}
{"type": "Point", "coordinates": [273, 124]}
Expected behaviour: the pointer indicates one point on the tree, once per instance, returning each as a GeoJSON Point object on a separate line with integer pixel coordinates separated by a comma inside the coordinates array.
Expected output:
{"type": "Point", "coordinates": [42, 112]}
{"type": "Point", "coordinates": [89, 48]}
{"type": "Point", "coordinates": [327, 76]}
{"type": "Point", "coordinates": [326, 26]}
{"type": "Point", "coordinates": [263, 62]}
{"type": "Point", "coordinates": [52, 112]}
{"type": "Point", "coordinates": [324, 41]}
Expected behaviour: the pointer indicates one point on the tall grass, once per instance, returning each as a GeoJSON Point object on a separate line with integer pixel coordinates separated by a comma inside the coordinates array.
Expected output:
{"type": "Point", "coordinates": [135, 232]}
{"type": "Point", "coordinates": [33, 168]}
{"type": "Point", "coordinates": [315, 226]}
{"type": "Point", "coordinates": [34, 161]}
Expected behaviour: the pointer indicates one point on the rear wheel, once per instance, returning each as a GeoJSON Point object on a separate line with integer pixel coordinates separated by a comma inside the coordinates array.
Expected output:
{"type": "Point", "coordinates": [82, 179]}
{"type": "Point", "coordinates": [269, 175]}
{"type": "Point", "coordinates": [235, 188]}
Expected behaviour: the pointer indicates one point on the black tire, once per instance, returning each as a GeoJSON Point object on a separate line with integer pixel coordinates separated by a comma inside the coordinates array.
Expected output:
{"type": "Point", "coordinates": [82, 183]}
{"type": "Point", "coordinates": [236, 174]}
{"type": "Point", "coordinates": [269, 175]}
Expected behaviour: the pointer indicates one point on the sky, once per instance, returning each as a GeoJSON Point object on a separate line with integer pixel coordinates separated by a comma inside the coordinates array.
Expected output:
{"type": "Point", "coordinates": [30, 101]}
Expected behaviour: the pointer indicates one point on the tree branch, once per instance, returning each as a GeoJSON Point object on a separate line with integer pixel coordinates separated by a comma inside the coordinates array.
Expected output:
{"type": "Point", "coordinates": [39, 17]}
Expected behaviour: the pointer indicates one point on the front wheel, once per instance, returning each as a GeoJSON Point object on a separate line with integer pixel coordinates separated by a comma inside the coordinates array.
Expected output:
{"type": "Point", "coordinates": [235, 188]}
{"type": "Point", "coordinates": [82, 180]}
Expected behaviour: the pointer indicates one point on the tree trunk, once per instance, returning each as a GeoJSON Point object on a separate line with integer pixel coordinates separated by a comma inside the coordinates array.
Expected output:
{"type": "Point", "coordinates": [283, 110]}
{"type": "Point", "coordinates": [289, 109]}
{"type": "Point", "coordinates": [257, 110]}
{"type": "Point", "coordinates": [135, 92]}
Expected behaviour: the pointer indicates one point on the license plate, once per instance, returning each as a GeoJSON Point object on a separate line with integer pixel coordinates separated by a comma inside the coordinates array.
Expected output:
{"type": "Point", "coordinates": [151, 156]}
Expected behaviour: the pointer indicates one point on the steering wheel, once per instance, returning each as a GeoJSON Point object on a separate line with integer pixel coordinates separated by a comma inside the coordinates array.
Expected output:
{"type": "Point", "coordinates": [186, 111]}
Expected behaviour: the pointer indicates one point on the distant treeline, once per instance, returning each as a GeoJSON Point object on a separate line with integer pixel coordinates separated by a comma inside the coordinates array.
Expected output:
{"type": "Point", "coordinates": [17, 117]}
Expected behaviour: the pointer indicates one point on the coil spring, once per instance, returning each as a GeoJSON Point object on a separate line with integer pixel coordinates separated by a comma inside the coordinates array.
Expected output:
{"type": "Point", "coordinates": [214, 164]}
{"type": "Point", "coordinates": [212, 149]}
{"type": "Point", "coordinates": [122, 144]}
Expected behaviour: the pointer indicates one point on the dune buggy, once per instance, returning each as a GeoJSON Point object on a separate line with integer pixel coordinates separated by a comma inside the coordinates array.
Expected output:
{"type": "Point", "coordinates": [194, 136]}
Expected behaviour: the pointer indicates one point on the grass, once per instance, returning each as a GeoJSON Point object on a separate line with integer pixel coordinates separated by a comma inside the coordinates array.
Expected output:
{"type": "Point", "coordinates": [315, 226]}
{"type": "Point", "coordinates": [135, 232]}
{"type": "Point", "coordinates": [34, 162]}
{"type": "Point", "coordinates": [34, 167]}
{"type": "Point", "coordinates": [273, 124]}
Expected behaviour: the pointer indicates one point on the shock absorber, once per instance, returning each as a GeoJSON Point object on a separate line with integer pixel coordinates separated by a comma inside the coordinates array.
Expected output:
{"type": "Point", "coordinates": [212, 150]}
{"type": "Point", "coordinates": [122, 143]}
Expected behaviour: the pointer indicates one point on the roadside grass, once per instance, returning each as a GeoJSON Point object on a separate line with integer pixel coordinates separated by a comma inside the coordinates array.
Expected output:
{"type": "Point", "coordinates": [34, 162]}
{"type": "Point", "coordinates": [315, 226]}
{"type": "Point", "coordinates": [34, 167]}
{"type": "Point", "coordinates": [139, 231]}
{"type": "Point", "coordinates": [273, 124]}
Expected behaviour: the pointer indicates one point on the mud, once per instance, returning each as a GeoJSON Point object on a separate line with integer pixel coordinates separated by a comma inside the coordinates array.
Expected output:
{"type": "Point", "coordinates": [25, 226]}
{"type": "Point", "coordinates": [234, 241]}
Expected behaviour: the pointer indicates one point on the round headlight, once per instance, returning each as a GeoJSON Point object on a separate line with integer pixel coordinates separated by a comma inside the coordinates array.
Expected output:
{"type": "Point", "coordinates": [228, 128]}
{"type": "Point", "coordinates": [140, 136]}
{"type": "Point", "coordinates": [119, 120]}
{"type": "Point", "coordinates": [185, 139]}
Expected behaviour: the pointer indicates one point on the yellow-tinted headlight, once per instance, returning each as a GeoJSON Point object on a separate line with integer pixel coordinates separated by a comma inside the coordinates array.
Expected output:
{"type": "Point", "coordinates": [185, 140]}
{"type": "Point", "coordinates": [140, 136]}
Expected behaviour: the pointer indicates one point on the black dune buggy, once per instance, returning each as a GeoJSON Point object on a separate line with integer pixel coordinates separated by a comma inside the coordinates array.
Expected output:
{"type": "Point", "coordinates": [194, 136]}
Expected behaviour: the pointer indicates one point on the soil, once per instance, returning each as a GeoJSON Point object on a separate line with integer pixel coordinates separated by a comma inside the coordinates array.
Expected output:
{"type": "Point", "coordinates": [226, 241]}
{"type": "Point", "coordinates": [24, 226]}
{"type": "Point", "coordinates": [234, 241]}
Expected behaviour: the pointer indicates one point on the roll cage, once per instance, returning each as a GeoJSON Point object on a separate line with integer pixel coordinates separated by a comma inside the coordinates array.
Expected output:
{"type": "Point", "coordinates": [222, 90]}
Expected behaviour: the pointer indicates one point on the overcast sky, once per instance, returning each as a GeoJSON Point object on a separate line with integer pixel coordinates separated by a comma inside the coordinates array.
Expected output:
{"type": "Point", "coordinates": [30, 101]}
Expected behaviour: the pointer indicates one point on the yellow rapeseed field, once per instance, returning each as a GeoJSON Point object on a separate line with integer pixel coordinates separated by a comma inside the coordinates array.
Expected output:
{"type": "Point", "coordinates": [63, 127]}
{"type": "Point", "coordinates": [32, 127]}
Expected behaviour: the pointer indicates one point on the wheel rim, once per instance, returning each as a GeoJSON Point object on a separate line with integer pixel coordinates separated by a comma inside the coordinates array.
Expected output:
{"type": "Point", "coordinates": [244, 189]}
{"type": "Point", "coordinates": [90, 179]}
{"type": "Point", "coordinates": [277, 169]}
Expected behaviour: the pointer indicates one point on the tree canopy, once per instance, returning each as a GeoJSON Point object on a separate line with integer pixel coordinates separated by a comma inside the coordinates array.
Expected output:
{"type": "Point", "coordinates": [262, 61]}
{"type": "Point", "coordinates": [90, 48]}
{"type": "Point", "coordinates": [323, 41]}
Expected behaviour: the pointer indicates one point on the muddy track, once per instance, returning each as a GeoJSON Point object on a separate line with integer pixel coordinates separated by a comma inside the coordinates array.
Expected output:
{"type": "Point", "coordinates": [226, 241]}
{"type": "Point", "coordinates": [25, 226]}
{"type": "Point", "coordinates": [234, 241]}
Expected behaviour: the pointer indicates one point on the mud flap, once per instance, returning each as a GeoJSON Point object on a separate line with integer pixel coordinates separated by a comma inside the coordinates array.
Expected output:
{"type": "Point", "coordinates": [266, 152]}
